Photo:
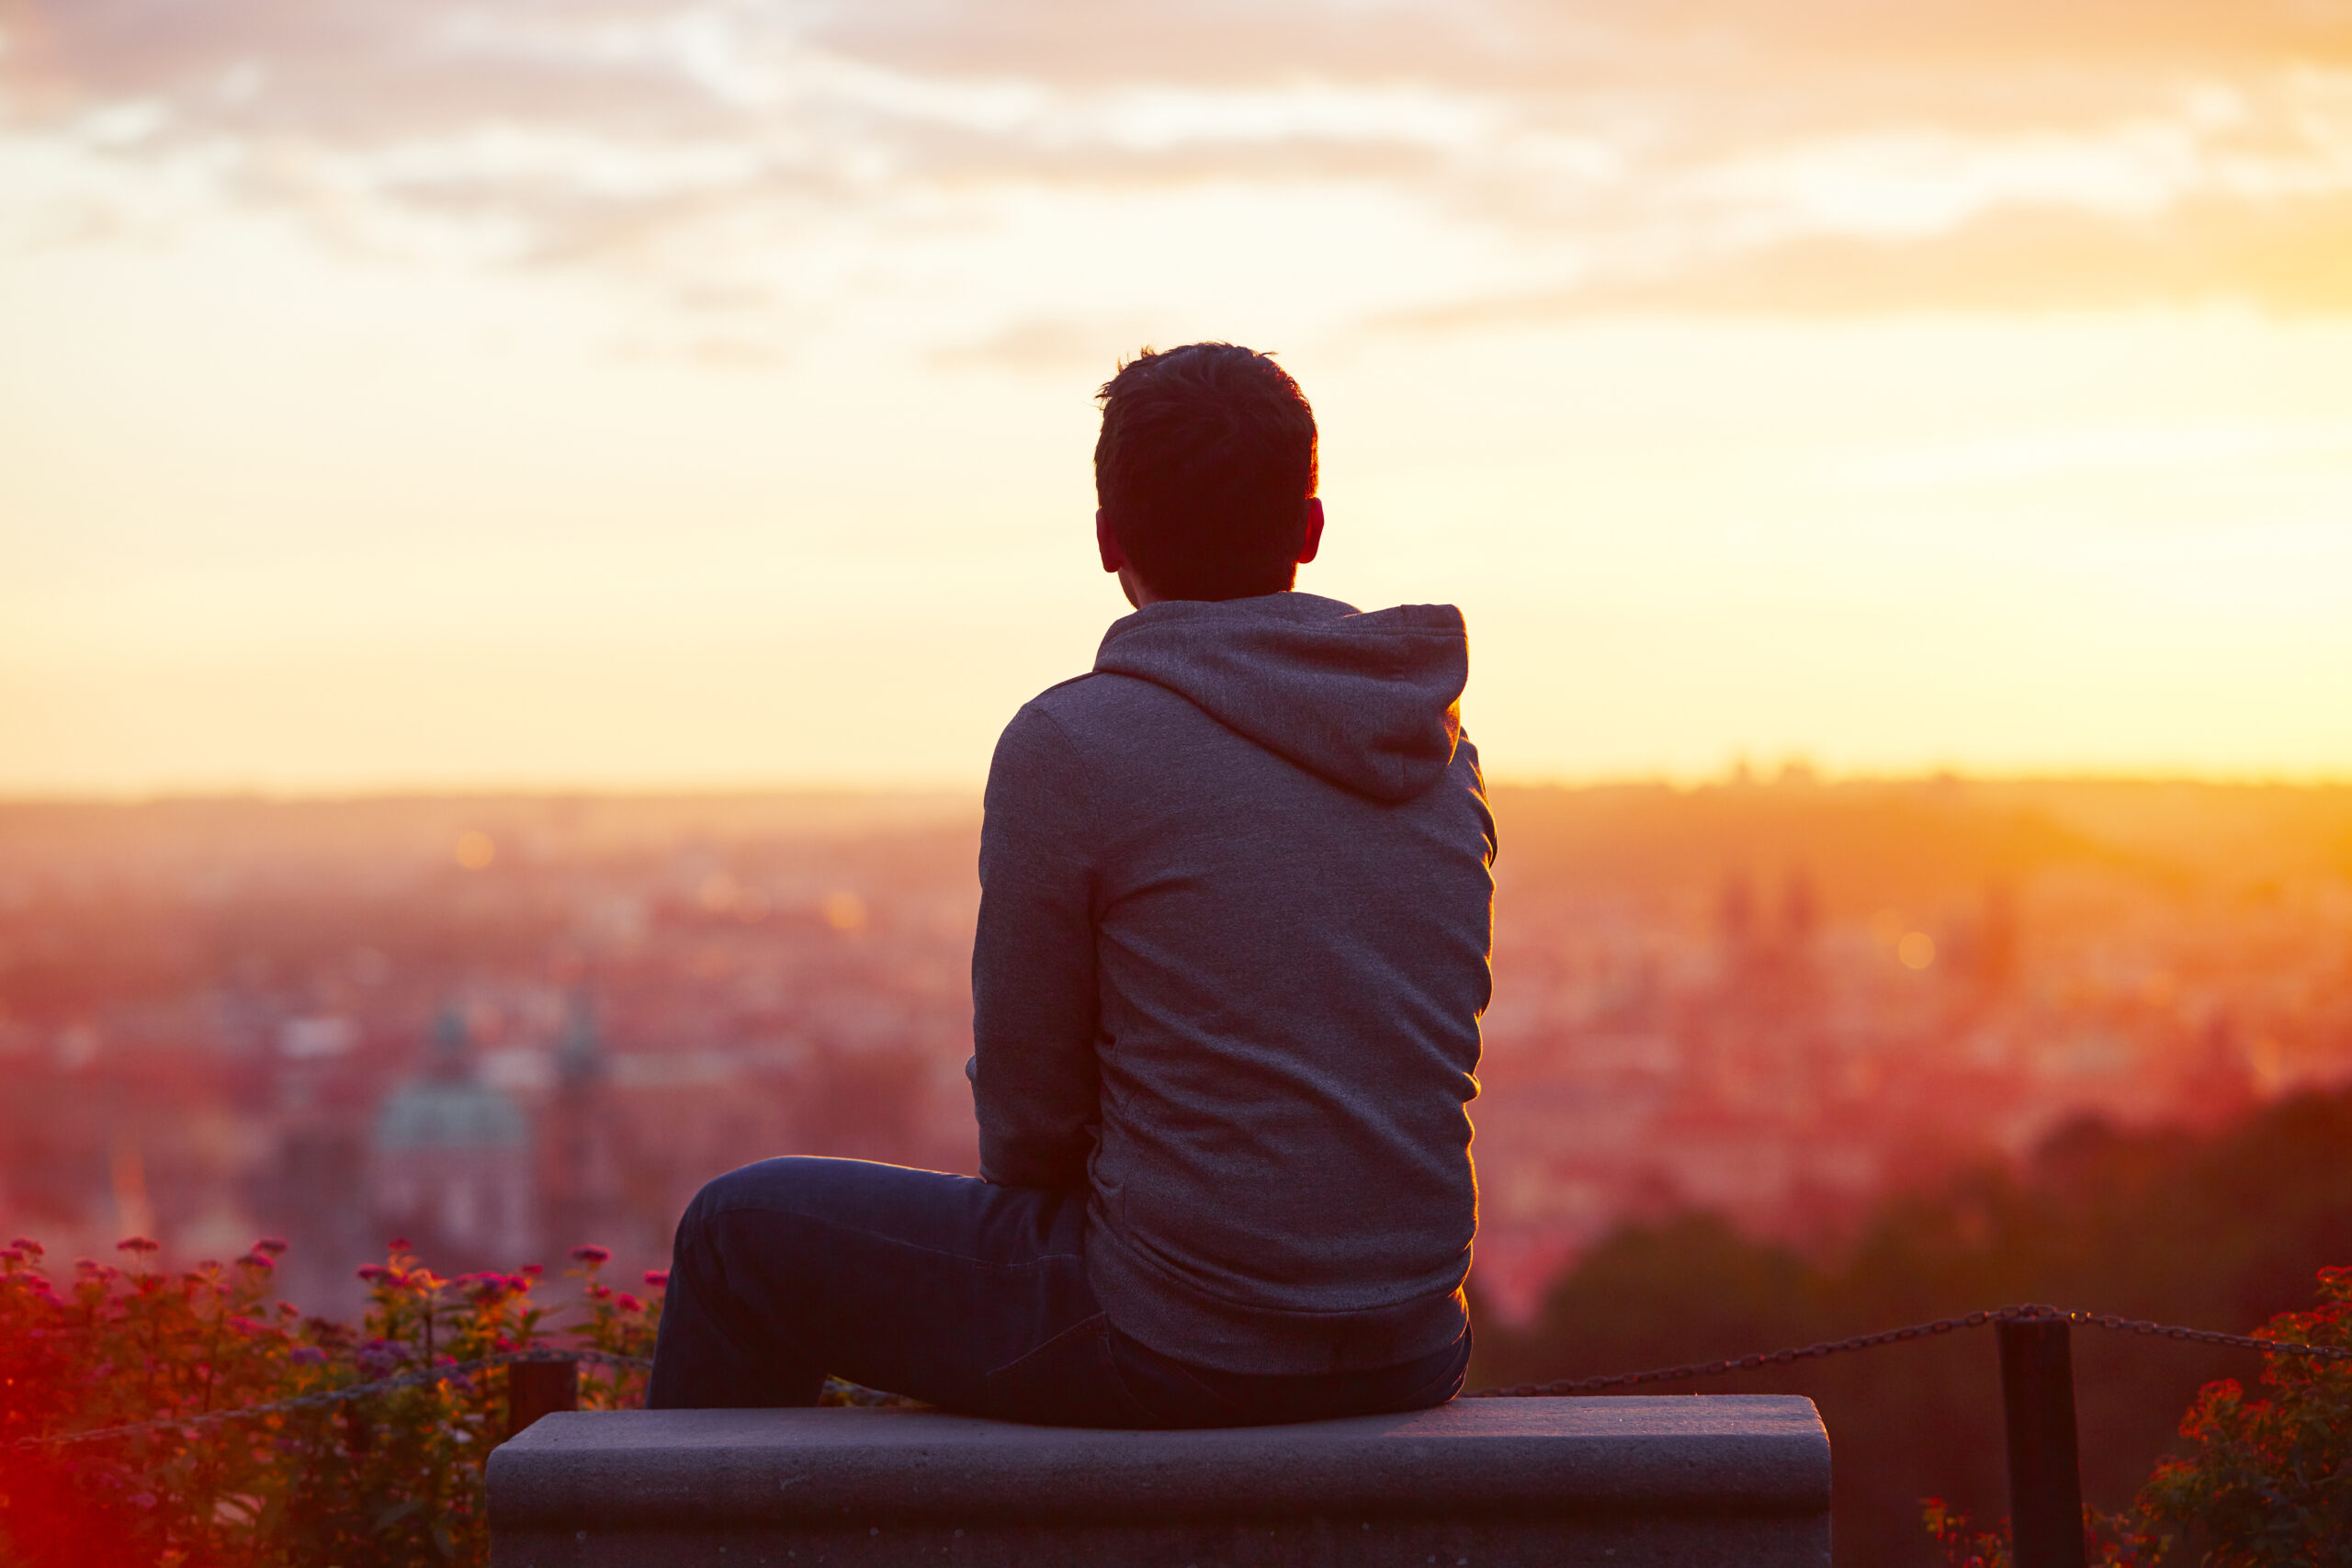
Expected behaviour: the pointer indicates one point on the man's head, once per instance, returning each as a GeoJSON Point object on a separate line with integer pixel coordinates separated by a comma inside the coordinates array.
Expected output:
{"type": "Point", "coordinates": [1205, 473]}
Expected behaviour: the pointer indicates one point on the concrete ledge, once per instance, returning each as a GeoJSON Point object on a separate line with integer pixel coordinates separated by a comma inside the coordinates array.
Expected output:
{"type": "Point", "coordinates": [1493, 1482]}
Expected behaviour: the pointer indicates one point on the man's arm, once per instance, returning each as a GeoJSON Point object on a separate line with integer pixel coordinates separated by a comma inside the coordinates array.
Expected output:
{"type": "Point", "coordinates": [1034, 1005]}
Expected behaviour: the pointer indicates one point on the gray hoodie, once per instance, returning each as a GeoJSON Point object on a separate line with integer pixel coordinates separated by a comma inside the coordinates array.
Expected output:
{"type": "Point", "coordinates": [1231, 958]}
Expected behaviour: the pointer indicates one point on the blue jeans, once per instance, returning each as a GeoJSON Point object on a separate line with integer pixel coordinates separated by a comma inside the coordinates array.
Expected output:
{"type": "Point", "coordinates": [954, 1292]}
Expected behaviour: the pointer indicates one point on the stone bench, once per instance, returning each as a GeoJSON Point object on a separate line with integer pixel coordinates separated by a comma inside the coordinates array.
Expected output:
{"type": "Point", "coordinates": [1496, 1482]}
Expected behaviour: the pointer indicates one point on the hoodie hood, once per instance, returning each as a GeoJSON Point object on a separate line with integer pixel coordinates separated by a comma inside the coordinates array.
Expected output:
{"type": "Point", "coordinates": [1369, 702]}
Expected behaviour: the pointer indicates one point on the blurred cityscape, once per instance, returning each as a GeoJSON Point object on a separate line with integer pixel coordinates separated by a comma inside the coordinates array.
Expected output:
{"type": "Point", "coordinates": [499, 1027]}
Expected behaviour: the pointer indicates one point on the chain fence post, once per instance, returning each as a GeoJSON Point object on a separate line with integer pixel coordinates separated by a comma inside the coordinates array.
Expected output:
{"type": "Point", "coordinates": [539, 1388]}
{"type": "Point", "coordinates": [2045, 1469]}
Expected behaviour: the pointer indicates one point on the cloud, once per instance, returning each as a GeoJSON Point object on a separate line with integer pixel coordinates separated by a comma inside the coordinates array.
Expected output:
{"type": "Point", "coordinates": [2295, 258]}
{"type": "Point", "coordinates": [1042, 346]}
{"type": "Point", "coordinates": [1769, 154]}
{"type": "Point", "coordinates": [1539, 45]}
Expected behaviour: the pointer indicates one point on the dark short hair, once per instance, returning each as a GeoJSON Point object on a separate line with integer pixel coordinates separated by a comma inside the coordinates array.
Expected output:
{"type": "Point", "coordinates": [1203, 470]}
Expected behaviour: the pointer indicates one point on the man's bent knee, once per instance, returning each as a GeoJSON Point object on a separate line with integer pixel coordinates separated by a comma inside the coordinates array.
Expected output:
{"type": "Point", "coordinates": [763, 1184]}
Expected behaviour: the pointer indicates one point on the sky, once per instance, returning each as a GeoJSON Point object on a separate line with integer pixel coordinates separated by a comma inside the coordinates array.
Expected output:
{"type": "Point", "coordinates": [699, 393]}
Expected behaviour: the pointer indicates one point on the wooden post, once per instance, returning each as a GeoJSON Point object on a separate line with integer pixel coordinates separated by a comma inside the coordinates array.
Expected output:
{"type": "Point", "coordinates": [2045, 1473]}
{"type": "Point", "coordinates": [539, 1388]}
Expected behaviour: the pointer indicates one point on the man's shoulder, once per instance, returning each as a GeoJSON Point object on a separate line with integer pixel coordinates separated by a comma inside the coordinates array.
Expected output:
{"type": "Point", "coordinates": [1085, 704]}
{"type": "Point", "coordinates": [1101, 724]}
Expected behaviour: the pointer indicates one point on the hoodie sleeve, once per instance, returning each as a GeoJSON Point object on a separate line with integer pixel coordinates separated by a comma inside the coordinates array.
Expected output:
{"type": "Point", "coordinates": [1034, 1002]}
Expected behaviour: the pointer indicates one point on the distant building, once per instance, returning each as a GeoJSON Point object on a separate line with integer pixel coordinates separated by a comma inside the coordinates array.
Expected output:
{"type": "Point", "coordinates": [314, 1191]}
{"type": "Point", "coordinates": [578, 1178]}
{"type": "Point", "coordinates": [449, 1164]}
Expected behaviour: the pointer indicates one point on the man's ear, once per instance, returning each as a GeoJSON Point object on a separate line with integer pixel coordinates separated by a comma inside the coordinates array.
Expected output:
{"type": "Point", "coordinates": [1312, 540]}
{"type": "Point", "coordinates": [1114, 558]}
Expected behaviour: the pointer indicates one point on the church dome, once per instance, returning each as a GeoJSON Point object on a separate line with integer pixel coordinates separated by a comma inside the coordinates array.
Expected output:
{"type": "Point", "coordinates": [449, 1107]}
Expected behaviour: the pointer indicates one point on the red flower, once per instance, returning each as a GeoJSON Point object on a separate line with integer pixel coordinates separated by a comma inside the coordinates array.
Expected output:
{"type": "Point", "coordinates": [658, 1277]}
{"type": "Point", "coordinates": [138, 1244]}
{"type": "Point", "coordinates": [272, 1245]}
{"type": "Point", "coordinates": [592, 1254]}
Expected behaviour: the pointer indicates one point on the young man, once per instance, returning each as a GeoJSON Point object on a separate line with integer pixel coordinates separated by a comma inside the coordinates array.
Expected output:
{"type": "Point", "coordinates": [1231, 958]}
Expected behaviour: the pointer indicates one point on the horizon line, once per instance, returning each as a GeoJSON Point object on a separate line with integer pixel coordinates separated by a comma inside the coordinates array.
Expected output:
{"type": "Point", "coordinates": [1736, 776]}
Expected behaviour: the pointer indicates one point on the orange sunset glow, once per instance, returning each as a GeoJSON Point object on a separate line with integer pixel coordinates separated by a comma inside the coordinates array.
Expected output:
{"type": "Point", "coordinates": [696, 392]}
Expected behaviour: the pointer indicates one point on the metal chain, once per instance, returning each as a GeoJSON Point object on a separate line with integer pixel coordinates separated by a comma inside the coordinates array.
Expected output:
{"type": "Point", "coordinates": [2206, 1335]}
{"type": "Point", "coordinates": [326, 1397]}
{"type": "Point", "coordinates": [2029, 1312]}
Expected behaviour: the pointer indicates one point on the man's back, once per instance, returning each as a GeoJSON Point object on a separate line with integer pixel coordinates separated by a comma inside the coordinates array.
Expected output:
{"type": "Point", "coordinates": [1232, 953]}
{"type": "Point", "coordinates": [1226, 992]}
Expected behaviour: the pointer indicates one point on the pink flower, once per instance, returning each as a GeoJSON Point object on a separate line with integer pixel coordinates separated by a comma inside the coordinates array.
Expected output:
{"type": "Point", "coordinates": [534, 1270]}
{"type": "Point", "coordinates": [401, 1244]}
{"type": "Point", "coordinates": [591, 1256]}
{"type": "Point", "coordinates": [374, 1273]}
{"type": "Point", "coordinates": [272, 1245]}
{"type": "Point", "coordinates": [629, 1304]}
{"type": "Point", "coordinates": [659, 1279]}
{"type": "Point", "coordinates": [256, 1260]}
{"type": "Point", "coordinates": [138, 1244]}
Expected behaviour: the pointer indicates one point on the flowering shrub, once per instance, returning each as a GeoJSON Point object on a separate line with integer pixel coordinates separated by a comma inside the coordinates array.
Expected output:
{"type": "Point", "coordinates": [1963, 1545]}
{"type": "Point", "coordinates": [2269, 1481]}
{"type": "Point", "coordinates": [393, 1477]}
{"type": "Point", "coordinates": [2109, 1540]}
{"type": "Point", "coordinates": [2266, 1483]}
{"type": "Point", "coordinates": [618, 1324]}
